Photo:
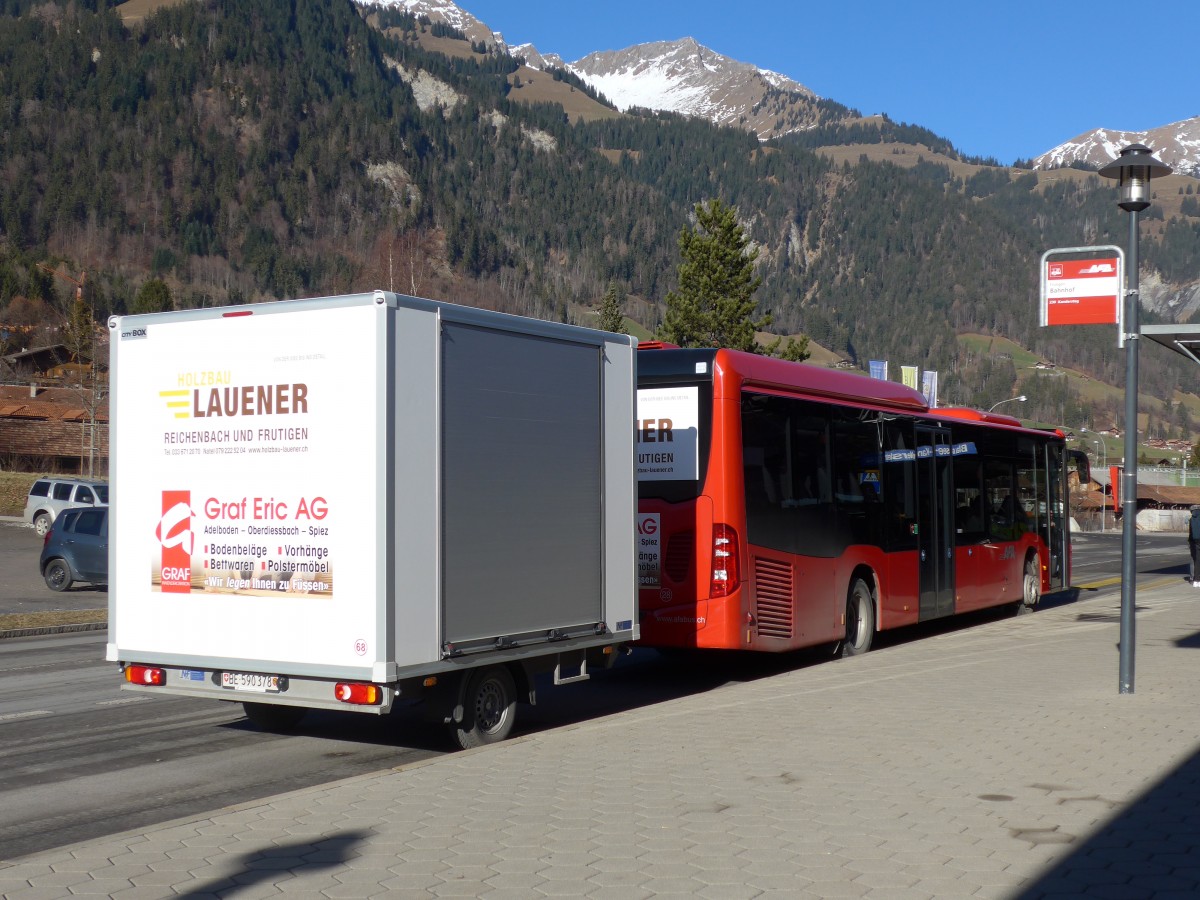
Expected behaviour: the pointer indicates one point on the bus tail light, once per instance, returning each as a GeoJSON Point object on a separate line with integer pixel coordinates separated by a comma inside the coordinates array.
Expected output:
{"type": "Point", "coordinates": [726, 576]}
{"type": "Point", "coordinates": [358, 694]}
{"type": "Point", "coordinates": [135, 674]}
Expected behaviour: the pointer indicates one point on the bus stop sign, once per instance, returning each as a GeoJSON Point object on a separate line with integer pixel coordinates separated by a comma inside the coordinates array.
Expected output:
{"type": "Point", "coordinates": [1082, 286]}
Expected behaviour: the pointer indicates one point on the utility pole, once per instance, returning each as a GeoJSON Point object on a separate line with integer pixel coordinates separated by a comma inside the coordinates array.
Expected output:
{"type": "Point", "coordinates": [82, 312]}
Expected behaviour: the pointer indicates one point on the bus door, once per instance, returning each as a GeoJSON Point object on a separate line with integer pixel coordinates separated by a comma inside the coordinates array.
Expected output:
{"type": "Point", "coordinates": [935, 522]}
{"type": "Point", "coordinates": [1057, 532]}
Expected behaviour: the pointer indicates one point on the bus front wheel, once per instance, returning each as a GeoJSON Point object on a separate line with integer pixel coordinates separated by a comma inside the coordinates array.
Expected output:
{"type": "Point", "coordinates": [860, 619]}
{"type": "Point", "coordinates": [1031, 588]}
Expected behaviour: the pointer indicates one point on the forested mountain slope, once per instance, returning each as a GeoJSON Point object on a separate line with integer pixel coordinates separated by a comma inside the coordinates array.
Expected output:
{"type": "Point", "coordinates": [277, 149]}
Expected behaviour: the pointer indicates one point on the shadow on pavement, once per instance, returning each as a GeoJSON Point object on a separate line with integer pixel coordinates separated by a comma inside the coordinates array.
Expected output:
{"type": "Point", "coordinates": [267, 866]}
{"type": "Point", "coordinates": [1152, 849]}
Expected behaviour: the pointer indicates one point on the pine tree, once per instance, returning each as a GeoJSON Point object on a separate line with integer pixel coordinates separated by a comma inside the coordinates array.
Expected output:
{"type": "Point", "coordinates": [611, 318]}
{"type": "Point", "coordinates": [793, 351]}
{"type": "Point", "coordinates": [715, 301]}
{"type": "Point", "coordinates": [153, 296]}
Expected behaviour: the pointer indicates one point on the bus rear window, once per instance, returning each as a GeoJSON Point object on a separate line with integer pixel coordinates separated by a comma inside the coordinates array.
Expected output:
{"type": "Point", "coordinates": [672, 439]}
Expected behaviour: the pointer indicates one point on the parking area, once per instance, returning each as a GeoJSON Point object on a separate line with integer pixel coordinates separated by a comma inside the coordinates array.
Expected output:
{"type": "Point", "coordinates": [24, 591]}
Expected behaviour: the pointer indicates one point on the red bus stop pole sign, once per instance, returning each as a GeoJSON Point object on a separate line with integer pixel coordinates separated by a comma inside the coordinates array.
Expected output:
{"type": "Point", "coordinates": [1083, 286]}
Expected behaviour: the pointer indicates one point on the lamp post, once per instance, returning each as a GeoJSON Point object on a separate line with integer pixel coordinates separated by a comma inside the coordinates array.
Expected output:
{"type": "Point", "coordinates": [1133, 170]}
{"type": "Point", "coordinates": [1021, 398]}
{"type": "Point", "coordinates": [1103, 467]}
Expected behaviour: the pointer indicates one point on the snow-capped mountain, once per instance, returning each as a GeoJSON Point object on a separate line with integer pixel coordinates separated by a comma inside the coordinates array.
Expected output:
{"type": "Point", "coordinates": [685, 77]}
{"type": "Point", "coordinates": [1177, 144]}
{"type": "Point", "coordinates": [679, 76]}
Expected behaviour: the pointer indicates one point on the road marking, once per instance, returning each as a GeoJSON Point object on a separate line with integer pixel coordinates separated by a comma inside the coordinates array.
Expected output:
{"type": "Point", "coordinates": [28, 714]}
{"type": "Point", "coordinates": [1109, 582]}
{"type": "Point", "coordinates": [122, 700]}
{"type": "Point", "coordinates": [1094, 585]}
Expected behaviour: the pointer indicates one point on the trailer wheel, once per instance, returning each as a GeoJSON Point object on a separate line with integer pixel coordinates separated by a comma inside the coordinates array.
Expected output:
{"type": "Point", "coordinates": [57, 575]}
{"type": "Point", "coordinates": [1031, 588]}
{"type": "Point", "coordinates": [860, 619]}
{"type": "Point", "coordinates": [489, 708]}
{"type": "Point", "coordinates": [276, 719]}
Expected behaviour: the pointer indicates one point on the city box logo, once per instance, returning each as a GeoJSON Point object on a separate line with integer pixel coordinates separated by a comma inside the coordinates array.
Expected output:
{"type": "Point", "coordinates": [212, 394]}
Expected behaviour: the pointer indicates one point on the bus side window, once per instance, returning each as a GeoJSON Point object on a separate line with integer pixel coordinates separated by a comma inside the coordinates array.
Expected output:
{"type": "Point", "coordinates": [900, 487]}
{"type": "Point", "coordinates": [1000, 494]}
{"type": "Point", "coordinates": [969, 521]}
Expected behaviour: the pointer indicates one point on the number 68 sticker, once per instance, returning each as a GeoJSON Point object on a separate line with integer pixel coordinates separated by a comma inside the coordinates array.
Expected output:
{"type": "Point", "coordinates": [360, 647]}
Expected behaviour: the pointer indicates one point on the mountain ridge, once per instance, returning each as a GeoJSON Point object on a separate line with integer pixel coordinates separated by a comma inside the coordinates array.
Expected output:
{"type": "Point", "coordinates": [685, 77]}
{"type": "Point", "coordinates": [1177, 144]}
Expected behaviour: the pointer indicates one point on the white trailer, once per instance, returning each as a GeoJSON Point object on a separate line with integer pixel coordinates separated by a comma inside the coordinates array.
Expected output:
{"type": "Point", "coordinates": [346, 502]}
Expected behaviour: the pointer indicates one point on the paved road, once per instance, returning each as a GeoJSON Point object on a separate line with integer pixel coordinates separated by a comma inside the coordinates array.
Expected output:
{"type": "Point", "coordinates": [995, 761]}
{"type": "Point", "coordinates": [84, 759]}
{"type": "Point", "coordinates": [23, 588]}
{"type": "Point", "coordinates": [1097, 557]}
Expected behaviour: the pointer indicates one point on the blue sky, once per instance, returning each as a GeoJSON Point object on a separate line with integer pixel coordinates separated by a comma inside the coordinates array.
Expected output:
{"type": "Point", "coordinates": [1006, 80]}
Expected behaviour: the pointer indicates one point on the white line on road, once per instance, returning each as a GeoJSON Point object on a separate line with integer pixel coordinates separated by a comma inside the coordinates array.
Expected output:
{"type": "Point", "coordinates": [29, 713]}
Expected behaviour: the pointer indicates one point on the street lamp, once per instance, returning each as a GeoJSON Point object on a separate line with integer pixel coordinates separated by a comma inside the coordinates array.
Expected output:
{"type": "Point", "coordinates": [1133, 170]}
{"type": "Point", "coordinates": [1100, 446]}
{"type": "Point", "coordinates": [1021, 398]}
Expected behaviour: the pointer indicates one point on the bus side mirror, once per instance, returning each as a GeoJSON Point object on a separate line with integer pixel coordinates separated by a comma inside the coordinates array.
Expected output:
{"type": "Point", "coordinates": [1078, 465]}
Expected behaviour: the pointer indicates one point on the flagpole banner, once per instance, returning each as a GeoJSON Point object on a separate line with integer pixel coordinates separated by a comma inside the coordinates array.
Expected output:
{"type": "Point", "coordinates": [929, 387]}
{"type": "Point", "coordinates": [879, 369]}
{"type": "Point", "coordinates": [908, 376]}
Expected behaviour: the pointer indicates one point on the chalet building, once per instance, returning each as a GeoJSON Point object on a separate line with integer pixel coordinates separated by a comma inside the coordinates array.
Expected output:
{"type": "Point", "coordinates": [38, 361]}
{"type": "Point", "coordinates": [53, 429]}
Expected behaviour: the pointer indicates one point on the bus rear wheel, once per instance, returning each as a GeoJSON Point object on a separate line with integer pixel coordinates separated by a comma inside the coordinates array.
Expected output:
{"type": "Point", "coordinates": [860, 619]}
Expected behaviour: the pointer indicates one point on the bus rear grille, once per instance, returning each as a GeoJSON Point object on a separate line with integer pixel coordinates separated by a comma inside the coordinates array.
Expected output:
{"type": "Point", "coordinates": [677, 561]}
{"type": "Point", "coordinates": [773, 598]}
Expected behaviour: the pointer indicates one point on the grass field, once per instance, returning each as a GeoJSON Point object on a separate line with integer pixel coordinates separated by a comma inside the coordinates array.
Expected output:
{"type": "Point", "coordinates": [14, 488]}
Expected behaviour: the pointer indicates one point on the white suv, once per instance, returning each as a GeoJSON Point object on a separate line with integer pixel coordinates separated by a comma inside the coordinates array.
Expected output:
{"type": "Point", "coordinates": [50, 496]}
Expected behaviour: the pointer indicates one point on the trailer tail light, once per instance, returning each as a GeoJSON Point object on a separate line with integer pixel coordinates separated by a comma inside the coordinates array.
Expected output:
{"type": "Point", "coordinates": [145, 675]}
{"type": "Point", "coordinates": [726, 576]}
{"type": "Point", "coordinates": [358, 694]}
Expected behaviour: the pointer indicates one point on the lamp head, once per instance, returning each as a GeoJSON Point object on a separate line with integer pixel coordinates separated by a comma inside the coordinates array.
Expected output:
{"type": "Point", "coordinates": [1133, 170]}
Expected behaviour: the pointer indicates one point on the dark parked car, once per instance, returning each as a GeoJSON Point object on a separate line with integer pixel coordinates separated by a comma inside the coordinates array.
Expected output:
{"type": "Point", "coordinates": [76, 548]}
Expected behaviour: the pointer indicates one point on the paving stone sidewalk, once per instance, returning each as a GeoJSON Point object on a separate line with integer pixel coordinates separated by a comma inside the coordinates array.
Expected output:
{"type": "Point", "coordinates": [995, 761]}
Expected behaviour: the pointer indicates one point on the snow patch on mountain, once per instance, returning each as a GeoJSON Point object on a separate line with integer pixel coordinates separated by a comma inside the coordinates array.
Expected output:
{"type": "Point", "coordinates": [536, 60]}
{"type": "Point", "coordinates": [678, 76]}
{"type": "Point", "coordinates": [452, 15]}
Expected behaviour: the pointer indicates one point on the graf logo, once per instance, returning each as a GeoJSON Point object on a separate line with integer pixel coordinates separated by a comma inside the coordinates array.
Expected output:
{"type": "Point", "coordinates": [175, 536]}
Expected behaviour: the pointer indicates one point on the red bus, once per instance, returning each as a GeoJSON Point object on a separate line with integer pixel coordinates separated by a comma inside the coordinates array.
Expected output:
{"type": "Point", "coordinates": [784, 505]}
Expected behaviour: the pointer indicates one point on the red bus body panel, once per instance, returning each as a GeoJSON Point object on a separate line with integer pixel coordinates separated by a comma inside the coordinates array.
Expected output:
{"type": "Point", "coordinates": [784, 600]}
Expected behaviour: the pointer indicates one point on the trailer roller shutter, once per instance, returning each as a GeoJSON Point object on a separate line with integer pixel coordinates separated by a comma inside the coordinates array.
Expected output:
{"type": "Point", "coordinates": [522, 518]}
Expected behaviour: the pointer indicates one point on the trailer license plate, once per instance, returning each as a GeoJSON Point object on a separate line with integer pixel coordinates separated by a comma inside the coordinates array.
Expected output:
{"type": "Point", "coordinates": [250, 681]}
